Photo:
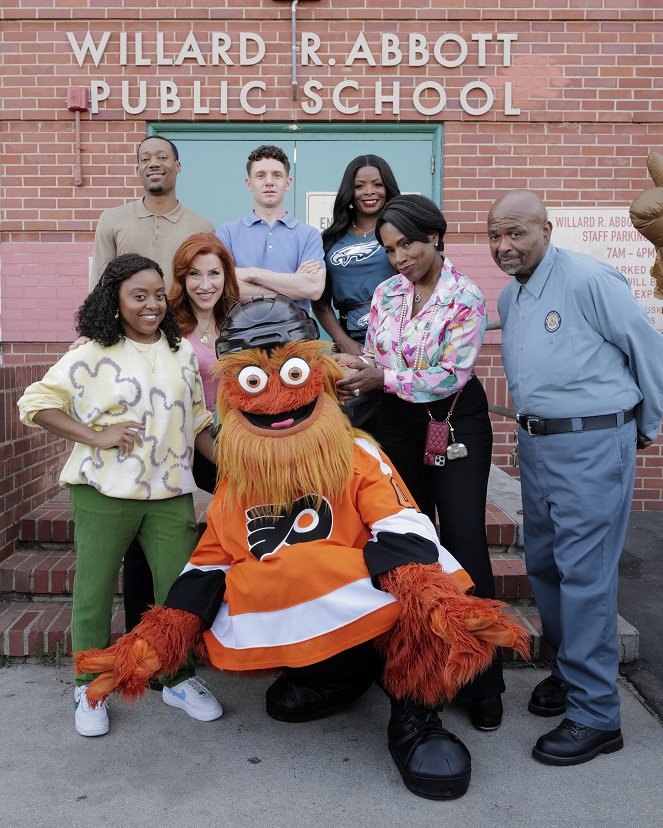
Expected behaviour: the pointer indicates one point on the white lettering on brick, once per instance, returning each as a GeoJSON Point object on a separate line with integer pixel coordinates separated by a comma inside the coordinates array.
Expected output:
{"type": "Point", "coordinates": [99, 91]}
{"type": "Point", "coordinates": [246, 40]}
{"type": "Point", "coordinates": [391, 54]}
{"type": "Point", "coordinates": [169, 98]}
{"type": "Point", "coordinates": [220, 45]}
{"type": "Point", "coordinates": [190, 51]}
{"type": "Point", "coordinates": [142, 98]}
{"type": "Point", "coordinates": [425, 87]}
{"type": "Point", "coordinates": [336, 97]}
{"type": "Point", "coordinates": [88, 47]}
{"type": "Point", "coordinates": [309, 49]}
{"type": "Point", "coordinates": [382, 98]}
{"type": "Point", "coordinates": [462, 50]}
{"type": "Point", "coordinates": [361, 51]}
{"type": "Point", "coordinates": [481, 108]}
{"type": "Point", "coordinates": [313, 106]}
{"type": "Point", "coordinates": [244, 98]}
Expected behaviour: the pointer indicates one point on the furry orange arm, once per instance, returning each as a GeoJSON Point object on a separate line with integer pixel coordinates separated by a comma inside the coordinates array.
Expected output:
{"type": "Point", "coordinates": [158, 644]}
{"type": "Point", "coordinates": [443, 638]}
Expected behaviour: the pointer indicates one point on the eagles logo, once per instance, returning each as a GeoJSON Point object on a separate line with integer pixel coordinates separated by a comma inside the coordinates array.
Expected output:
{"type": "Point", "coordinates": [355, 253]}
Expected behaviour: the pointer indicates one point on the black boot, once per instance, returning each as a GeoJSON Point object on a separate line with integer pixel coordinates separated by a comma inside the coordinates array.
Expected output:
{"type": "Point", "coordinates": [296, 698]}
{"type": "Point", "coordinates": [303, 694]}
{"type": "Point", "coordinates": [434, 763]}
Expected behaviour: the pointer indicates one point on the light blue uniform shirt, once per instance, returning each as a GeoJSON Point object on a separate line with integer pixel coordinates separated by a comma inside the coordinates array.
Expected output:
{"type": "Point", "coordinates": [281, 247]}
{"type": "Point", "coordinates": [575, 343]}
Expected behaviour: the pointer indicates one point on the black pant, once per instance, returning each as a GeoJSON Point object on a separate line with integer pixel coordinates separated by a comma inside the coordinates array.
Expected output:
{"type": "Point", "coordinates": [457, 491]}
{"type": "Point", "coordinates": [138, 587]}
{"type": "Point", "coordinates": [355, 666]}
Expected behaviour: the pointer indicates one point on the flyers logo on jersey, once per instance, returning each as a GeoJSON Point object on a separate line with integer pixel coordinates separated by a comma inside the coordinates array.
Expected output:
{"type": "Point", "coordinates": [300, 524]}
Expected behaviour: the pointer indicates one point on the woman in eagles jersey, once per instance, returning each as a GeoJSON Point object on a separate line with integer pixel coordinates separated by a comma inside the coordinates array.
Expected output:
{"type": "Point", "coordinates": [356, 264]}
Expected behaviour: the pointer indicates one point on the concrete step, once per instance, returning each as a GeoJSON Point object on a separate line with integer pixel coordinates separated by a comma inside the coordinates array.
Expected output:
{"type": "Point", "coordinates": [36, 581]}
{"type": "Point", "coordinates": [52, 522]}
{"type": "Point", "coordinates": [46, 571]}
{"type": "Point", "coordinates": [42, 629]}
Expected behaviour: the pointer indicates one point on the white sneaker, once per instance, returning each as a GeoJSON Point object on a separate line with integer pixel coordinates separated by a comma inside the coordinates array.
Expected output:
{"type": "Point", "coordinates": [194, 699]}
{"type": "Point", "coordinates": [89, 721]}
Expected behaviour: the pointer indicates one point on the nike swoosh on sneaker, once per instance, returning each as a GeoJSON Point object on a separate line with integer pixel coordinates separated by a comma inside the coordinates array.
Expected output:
{"type": "Point", "coordinates": [181, 694]}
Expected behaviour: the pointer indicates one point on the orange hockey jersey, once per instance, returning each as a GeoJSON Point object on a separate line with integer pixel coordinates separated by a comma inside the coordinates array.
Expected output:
{"type": "Point", "coordinates": [298, 589]}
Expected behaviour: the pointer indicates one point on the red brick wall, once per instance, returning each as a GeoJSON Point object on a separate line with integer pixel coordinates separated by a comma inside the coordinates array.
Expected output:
{"type": "Point", "coordinates": [30, 459]}
{"type": "Point", "coordinates": [586, 77]}
{"type": "Point", "coordinates": [587, 81]}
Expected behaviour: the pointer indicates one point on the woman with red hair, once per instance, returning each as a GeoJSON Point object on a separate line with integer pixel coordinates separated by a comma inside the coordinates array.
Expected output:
{"type": "Point", "coordinates": [203, 290]}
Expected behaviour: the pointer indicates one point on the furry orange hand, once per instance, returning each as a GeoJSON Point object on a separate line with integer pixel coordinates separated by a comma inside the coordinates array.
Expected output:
{"type": "Point", "coordinates": [495, 627]}
{"type": "Point", "coordinates": [159, 643]}
{"type": "Point", "coordinates": [443, 638]}
{"type": "Point", "coordinates": [126, 666]}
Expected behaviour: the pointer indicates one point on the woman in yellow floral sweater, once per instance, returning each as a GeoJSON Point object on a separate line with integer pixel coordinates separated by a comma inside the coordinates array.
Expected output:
{"type": "Point", "coordinates": [132, 401]}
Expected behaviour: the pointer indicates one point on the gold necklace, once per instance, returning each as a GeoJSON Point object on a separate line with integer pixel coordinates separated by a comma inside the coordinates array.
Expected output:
{"type": "Point", "coordinates": [417, 295]}
{"type": "Point", "coordinates": [356, 227]}
{"type": "Point", "coordinates": [151, 348]}
{"type": "Point", "coordinates": [204, 338]}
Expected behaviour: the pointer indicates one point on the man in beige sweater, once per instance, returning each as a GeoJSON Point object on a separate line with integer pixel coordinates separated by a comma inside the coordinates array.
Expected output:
{"type": "Point", "coordinates": [154, 225]}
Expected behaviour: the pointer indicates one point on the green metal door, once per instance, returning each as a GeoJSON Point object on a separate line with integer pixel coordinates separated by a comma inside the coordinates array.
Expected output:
{"type": "Point", "coordinates": [214, 157]}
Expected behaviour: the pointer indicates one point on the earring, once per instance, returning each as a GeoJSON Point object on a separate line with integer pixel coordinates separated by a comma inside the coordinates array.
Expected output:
{"type": "Point", "coordinates": [351, 206]}
{"type": "Point", "coordinates": [117, 314]}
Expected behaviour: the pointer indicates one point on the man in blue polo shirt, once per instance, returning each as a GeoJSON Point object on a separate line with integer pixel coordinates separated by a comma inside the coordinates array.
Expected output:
{"type": "Point", "coordinates": [585, 370]}
{"type": "Point", "coordinates": [273, 252]}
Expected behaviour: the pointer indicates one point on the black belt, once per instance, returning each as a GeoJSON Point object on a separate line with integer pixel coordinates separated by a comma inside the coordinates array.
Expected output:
{"type": "Point", "coordinates": [538, 427]}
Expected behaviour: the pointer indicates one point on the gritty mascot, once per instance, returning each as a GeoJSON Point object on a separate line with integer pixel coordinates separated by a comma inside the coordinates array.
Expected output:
{"type": "Point", "coordinates": [316, 562]}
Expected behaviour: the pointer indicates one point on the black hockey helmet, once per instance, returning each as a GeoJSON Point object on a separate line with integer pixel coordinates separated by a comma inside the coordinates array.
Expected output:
{"type": "Point", "coordinates": [264, 323]}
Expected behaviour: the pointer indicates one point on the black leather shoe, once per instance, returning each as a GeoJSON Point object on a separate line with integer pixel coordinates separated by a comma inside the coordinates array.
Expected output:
{"type": "Point", "coordinates": [571, 743]}
{"type": "Point", "coordinates": [292, 699]}
{"type": "Point", "coordinates": [434, 763]}
{"type": "Point", "coordinates": [549, 697]}
{"type": "Point", "coordinates": [486, 712]}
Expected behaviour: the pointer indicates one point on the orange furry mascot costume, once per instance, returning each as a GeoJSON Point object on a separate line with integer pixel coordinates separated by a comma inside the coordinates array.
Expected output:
{"type": "Point", "coordinates": [647, 217]}
{"type": "Point", "coordinates": [316, 561]}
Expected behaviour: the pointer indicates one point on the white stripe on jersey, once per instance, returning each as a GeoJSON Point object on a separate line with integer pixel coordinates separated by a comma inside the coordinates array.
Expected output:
{"type": "Point", "coordinates": [301, 622]}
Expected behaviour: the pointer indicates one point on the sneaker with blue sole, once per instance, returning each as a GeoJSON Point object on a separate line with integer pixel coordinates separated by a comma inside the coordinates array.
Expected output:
{"type": "Point", "coordinates": [88, 720]}
{"type": "Point", "coordinates": [194, 699]}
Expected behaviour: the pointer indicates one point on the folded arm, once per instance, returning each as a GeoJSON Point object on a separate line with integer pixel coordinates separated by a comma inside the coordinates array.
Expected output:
{"type": "Point", "coordinates": [307, 282]}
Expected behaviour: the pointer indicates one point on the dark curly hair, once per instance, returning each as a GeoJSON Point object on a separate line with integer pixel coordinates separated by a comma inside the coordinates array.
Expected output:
{"type": "Point", "coordinates": [267, 151]}
{"type": "Point", "coordinates": [343, 216]}
{"type": "Point", "coordinates": [96, 317]}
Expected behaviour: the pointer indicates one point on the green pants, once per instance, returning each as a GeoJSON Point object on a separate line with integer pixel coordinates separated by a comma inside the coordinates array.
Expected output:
{"type": "Point", "coordinates": [105, 526]}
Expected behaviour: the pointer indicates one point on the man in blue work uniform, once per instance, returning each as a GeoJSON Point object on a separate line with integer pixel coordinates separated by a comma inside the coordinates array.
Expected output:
{"type": "Point", "coordinates": [273, 252]}
{"type": "Point", "coordinates": [585, 370]}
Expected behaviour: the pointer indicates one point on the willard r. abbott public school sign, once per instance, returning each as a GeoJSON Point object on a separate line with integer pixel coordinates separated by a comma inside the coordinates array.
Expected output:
{"type": "Point", "coordinates": [218, 50]}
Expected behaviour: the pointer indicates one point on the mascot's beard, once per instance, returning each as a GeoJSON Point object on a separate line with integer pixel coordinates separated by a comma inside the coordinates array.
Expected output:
{"type": "Point", "coordinates": [270, 472]}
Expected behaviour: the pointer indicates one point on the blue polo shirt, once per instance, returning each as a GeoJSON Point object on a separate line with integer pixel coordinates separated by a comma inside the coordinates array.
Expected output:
{"type": "Point", "coordinates": [281, 247]}
{"type": "Point", "coordinates": [575, 343]}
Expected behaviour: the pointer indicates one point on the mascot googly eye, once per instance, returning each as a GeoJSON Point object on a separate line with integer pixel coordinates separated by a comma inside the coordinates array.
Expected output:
{"type": "Point", "coordinates": [252, 379]}
{"type": "Point", "coordinates": [294, 371]}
